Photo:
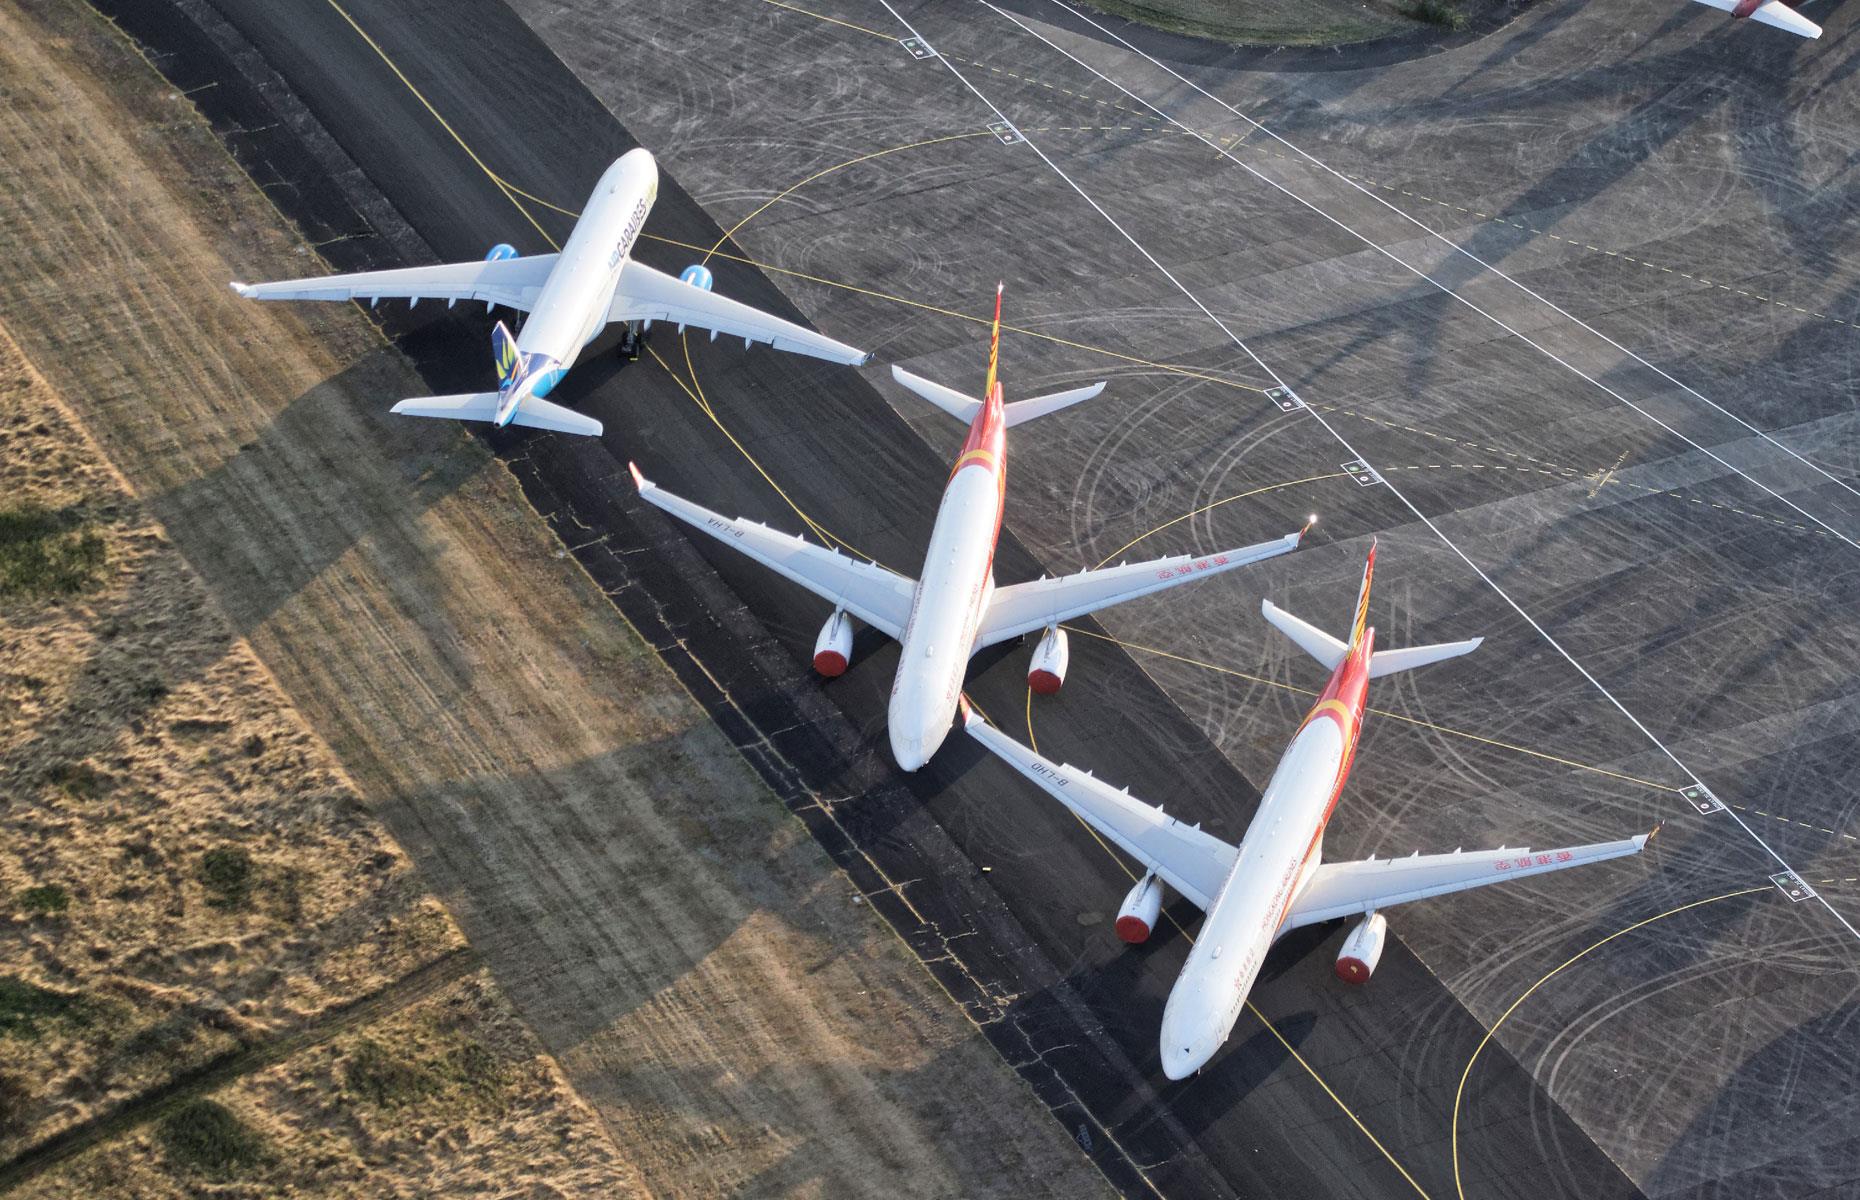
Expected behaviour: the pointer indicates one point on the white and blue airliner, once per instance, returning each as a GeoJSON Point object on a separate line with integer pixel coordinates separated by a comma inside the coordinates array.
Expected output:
{"type": "Point", "coordinates": [570, 297]}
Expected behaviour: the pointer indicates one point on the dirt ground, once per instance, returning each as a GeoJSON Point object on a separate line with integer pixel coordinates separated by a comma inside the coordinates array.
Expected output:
{"type": "Point", "coordinates": [190, 878]}
{"type": "Point", "coordinates": [680, 948]}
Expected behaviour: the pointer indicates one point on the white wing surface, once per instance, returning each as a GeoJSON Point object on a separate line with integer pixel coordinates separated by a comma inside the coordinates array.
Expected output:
{"type": "Point", "coordinates": [879, 597]}
{"type": "Point", "coordinates": [1025, 607]}
{"type": "Point", "coordinates": [1341, 889]}
{"type": "Point", "coordinates": [511, 282]}
{"type": "Point", "coordinates": [1772, 13]}
{"type": "Point", "coordinates": [1190, 861]}
{"type": "Point", "coordinates": [482, 406]}
{"type": "Point", "coordinates": [648, 295]}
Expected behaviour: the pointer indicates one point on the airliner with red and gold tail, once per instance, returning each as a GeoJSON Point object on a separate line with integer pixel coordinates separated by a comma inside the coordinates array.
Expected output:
{"type": "Point", "coordinates": [1275, 879]}
{"type": "Point", "coordinates": [954, 608]}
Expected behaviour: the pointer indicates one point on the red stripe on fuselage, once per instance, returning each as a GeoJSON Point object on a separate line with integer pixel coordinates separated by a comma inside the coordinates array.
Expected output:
{"type": "Point", "coordinates": [986, 449]}
{"type": "Point", "coordinates": [1341, 701]}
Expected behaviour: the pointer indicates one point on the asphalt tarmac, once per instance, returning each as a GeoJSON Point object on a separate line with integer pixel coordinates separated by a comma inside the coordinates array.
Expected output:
{"type": "Point", "coordinates": [1652, 576]}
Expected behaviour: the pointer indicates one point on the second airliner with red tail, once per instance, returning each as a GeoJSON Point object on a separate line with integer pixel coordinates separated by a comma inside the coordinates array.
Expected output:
{"type": "Point", "coordinates": [1275, 880]}
{"type": "Point", "coordinates": [954, 608]}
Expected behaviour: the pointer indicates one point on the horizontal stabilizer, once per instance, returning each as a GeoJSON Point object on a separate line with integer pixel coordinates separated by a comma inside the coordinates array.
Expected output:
{"type": "Point", "coordinates": [1388, 662]}
{"type": "Point", "coordinates": [1039, 406]}
{"type": "Point", "coordinates": [1306, 636]}
{"type": "Point", "coordinates": [479, 406]}
{"type": "Point", "coordinates": [951, 401]}
{"type": "Point", "coordinates": [482, 406]}
{"type": "Point", "coordinates": [1778, 15]}
{"type": "Point", "coordinates": [1774, 13]}
{"type": "Point", "coordinates": [540, 414]}
{"type": "Point", "coordinates": [964, 408]}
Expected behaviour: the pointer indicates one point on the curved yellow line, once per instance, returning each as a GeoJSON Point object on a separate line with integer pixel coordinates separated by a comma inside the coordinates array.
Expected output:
{"type": "Point", "coordinates": [1258, 491]}
{"type": "Point", "coordinates": [1460, 1091]}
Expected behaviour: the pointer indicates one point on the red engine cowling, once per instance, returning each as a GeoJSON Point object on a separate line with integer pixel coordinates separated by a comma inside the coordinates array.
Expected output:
{"type": "Point", "coordinates": [1362, 950]}
{"type": "Point", "coordinates": [1141, 907]}
{"type": "Point", "coordinates": [833, 648]}
{"type": "Point", "coordinates": [1048, 669]}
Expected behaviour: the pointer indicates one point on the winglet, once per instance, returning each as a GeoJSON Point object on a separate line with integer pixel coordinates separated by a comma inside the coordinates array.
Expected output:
{"type": "Point", "coordinates": [1310, 520]}
{"type": "Point", "coordinates": [639, 481]}
{"type": "Point", "coordinates": [1652, 833]}
{"type": "Point", "coordinates": [244, 289]}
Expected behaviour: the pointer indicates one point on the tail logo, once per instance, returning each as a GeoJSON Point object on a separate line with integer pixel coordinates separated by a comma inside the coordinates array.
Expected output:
{"type": "Point", "coordinates": [509, 358]}
{"type": "Point", "coordinates": [1362, 599]}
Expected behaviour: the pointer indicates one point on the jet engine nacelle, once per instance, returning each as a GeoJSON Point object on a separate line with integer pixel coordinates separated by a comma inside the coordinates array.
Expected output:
{"type": "Point", "coordinates": [500, 252]}
{"type": "Point", "coordinates": [1141, 908]}
{"type": "Point", "coordinates": [1362, 950]}
{"type": "Point", "coordinates": [833, 648]}
{"type": "Point", "coordinates": [1048, 669]}
{"type": "Point", "coordinates": [696, 276]}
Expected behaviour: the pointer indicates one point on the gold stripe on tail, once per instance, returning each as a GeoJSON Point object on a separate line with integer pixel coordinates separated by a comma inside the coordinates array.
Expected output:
{"type": "Point", "coordinates": [1362, 599]}
{"type": "Point", "coordinates": [994, 346]}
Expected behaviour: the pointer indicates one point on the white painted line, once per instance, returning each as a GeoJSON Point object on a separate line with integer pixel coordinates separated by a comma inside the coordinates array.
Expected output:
{"type": "Point", "coordinates": [1423, 275]}
{"type": "Point", "coordinates": [1458, 249]}
{"type": "Point", "coordinates": [1345, 443]}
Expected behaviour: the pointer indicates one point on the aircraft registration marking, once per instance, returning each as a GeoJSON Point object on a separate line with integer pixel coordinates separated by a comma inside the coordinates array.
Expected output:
{"type": "Point", "coordinates": [720, 523]}
{"type": "Point", "coordinates": [1527, 861]}
{"type": "Point", "coordinates": [1189, 568]}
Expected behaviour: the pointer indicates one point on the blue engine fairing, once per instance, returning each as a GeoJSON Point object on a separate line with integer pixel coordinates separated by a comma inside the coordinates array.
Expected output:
{"type": "Point", "coordinates": [697, 276]}
{"type": "Point", "coordinates": [500, 252]}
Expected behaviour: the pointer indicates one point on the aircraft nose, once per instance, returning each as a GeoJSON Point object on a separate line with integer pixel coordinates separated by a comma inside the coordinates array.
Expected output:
{"type": "Point", "coordinates": [915, 741]}
{"type": "Point", "coordinates": [1180, 1061]}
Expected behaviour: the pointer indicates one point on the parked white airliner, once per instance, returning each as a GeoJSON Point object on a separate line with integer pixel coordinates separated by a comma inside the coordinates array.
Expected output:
{"type": "Point", "coordinates": [955, 609]}
{"type": "Point", "coordinates": [570, 297]}
{"type": "Point", "coordinates": [1274, 880]}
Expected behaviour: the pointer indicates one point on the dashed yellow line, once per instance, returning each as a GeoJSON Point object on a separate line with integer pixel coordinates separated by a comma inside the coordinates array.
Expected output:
{"type": "Point", "coordinates": [1792, 821]}
{"type": "Point", "coordinates": [1460, 1092]}
{"type": "Point", "coordinates": [1258, 491]}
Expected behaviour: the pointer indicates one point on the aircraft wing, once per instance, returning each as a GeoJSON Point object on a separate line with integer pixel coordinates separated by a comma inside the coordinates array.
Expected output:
{"type": "Point", "coordinates": [511, 282]}
{"type": "Point", "coordinates": [1773, 13]}
{"type": "Point", "coordinates": [879, 597]}
{"type": "Point", "coordinates": [644, 294]}
{"type": "Point", "coordinates": [1190, 861]}
{"type": "Point", "coordinates": [1341, 889]}
{"type": "Point", "coordinates": [1025, 607]}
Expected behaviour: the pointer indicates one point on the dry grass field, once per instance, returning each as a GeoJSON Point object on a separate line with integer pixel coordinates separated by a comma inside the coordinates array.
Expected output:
{"type": "Point", "coordinates": [329, 721]}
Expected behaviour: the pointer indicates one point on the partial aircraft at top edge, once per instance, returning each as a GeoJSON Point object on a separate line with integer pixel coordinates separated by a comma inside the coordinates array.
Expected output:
{"type": "Point", "coordinates": [1775, 13]}
{"type": "Point", "coordinates": [570, 297]}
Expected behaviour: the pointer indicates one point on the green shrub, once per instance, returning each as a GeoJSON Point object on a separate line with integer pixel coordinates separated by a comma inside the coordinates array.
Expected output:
{"type": "Point", "coordinates": [46, 900]}
{"type": "Point", "coordinates": [25, 1007]}
{"type": "Point", "coordinates": [78, 780]}
{"type": "Point", "coordinates": [207, 1137]}
{"type": "Point", "coordinates": [15, 1097]}
{"type": "Point", "coordinates": [226, 873]}
{"type": "Point", "coordinates": [376, 1075]}
{"type": "Point", "coordinates": [1435, 12]}
{"type": "Point", "coordinates": [45, 553]}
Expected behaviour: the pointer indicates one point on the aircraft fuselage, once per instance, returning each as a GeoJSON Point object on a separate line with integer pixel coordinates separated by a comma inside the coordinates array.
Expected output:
{"type": "Point", "coordinates": [952, 591]}
{"type": "Point", "coordinates": [574, 301]}
{"type": "Point", "coordinates": [1281, 848]}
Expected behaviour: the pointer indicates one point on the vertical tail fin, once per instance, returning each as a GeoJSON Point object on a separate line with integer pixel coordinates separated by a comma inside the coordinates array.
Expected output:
{"type": "Point", "coordinates": [1361, 621]}
{"type": "Point", "coordinates": [504, 350]}
{"type": "Point", "coordinates": [994, 346]}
